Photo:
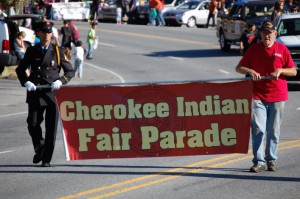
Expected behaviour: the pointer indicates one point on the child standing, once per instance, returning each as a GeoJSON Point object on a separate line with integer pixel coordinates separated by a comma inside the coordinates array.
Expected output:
{"type": "Point", "coordinates": [79, 56]}
{"type": "Point", "coordinates": [119, 14]}
{"type": "Point", "coordinates": [90, 40]}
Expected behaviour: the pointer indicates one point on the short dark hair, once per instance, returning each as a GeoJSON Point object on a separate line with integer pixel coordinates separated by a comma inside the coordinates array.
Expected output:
{"type": "Point", "coordinates": [78, 43]}
{"type": "Point", "coordinates": [251, 24]}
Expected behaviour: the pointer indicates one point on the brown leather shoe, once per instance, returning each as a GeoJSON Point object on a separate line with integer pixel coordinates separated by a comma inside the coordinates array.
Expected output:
{"type": "Point", "coordinates": [257, 168]}
{"type": "Point", "coordinates": [271, 166]}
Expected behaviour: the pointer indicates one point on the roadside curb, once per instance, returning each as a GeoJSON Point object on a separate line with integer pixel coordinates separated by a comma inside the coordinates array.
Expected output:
{"type": "Point", "coordinates": [9, 72]}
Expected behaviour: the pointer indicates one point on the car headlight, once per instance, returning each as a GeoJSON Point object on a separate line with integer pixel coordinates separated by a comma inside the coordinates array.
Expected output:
{"type": "Point", "coordinates": [180, 14]}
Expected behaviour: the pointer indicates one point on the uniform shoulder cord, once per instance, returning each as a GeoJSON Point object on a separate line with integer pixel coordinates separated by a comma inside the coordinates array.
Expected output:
{"type": "Point", "coordinates": [57, 55]}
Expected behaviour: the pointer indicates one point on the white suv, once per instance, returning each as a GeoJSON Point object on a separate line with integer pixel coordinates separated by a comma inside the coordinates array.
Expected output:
{"type": "Point", "coordinates": [9, 26]}
{"type": "Point", "coordinates": [288, 27]}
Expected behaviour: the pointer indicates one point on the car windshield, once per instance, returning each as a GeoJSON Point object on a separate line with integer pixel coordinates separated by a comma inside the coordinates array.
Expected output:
{"type": "Point", "coordinates": [191, 5]}
{"type": "Point", "coordinates": [253, 11]}
{"type": "Point", "coordinates": [168, 1]}
{"type": "Point", "coordinates": [289, 27]}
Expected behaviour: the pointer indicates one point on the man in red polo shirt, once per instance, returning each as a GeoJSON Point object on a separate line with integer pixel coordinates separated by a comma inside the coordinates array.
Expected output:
{"type": "Point", "coordinates": [267, 58]}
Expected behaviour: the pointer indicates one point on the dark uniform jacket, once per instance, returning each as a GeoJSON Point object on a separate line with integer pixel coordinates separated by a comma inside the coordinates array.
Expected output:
{"type": "Point", "coordinates": [44, 70]}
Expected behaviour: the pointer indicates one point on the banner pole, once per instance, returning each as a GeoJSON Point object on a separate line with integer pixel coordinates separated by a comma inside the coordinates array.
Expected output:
{"type": "Point", "coordinates": [153, 83]}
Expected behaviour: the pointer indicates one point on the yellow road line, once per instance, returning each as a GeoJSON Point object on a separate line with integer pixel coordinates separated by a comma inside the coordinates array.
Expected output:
{"type": "Point", "coordinates": [145, 177]}
{"type": "Point", "coordinates": [134, 34]}
{"type": "Point", "coordinates": [178, 175]}
{"type": "Point", "coordinates": [92, 191]}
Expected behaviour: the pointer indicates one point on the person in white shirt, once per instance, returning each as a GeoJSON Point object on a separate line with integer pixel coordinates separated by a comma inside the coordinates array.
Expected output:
{"type": "Point", "coordinates": [79, 57]}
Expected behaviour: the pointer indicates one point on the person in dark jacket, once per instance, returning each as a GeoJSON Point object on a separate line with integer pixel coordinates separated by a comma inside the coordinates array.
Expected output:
{"type": "Point", "coordinates": [67, 35]}
{"type": "Point", "coordinates": [249, 37]}
{"type": "Point", "coordinates": [44, 61]}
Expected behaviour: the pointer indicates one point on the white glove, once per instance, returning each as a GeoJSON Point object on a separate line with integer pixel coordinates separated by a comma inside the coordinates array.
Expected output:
{"type": "Point", "coordinates": [56, 85]}
{"type": "Point", "coordinates": [30, 86]}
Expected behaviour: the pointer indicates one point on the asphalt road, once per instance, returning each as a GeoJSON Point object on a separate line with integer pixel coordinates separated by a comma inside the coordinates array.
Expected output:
{"type": "Point", "coordinates": [129, 53]}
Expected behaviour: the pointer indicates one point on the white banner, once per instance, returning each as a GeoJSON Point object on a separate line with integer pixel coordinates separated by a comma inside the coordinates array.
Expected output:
{"type": "Point", "coordinates": [73, 10]}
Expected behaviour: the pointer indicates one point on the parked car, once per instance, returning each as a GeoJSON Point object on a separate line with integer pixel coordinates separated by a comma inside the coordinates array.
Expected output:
{"type": "Point", "coordinates": [191, 13]}
{"type": "Point", "coordinates": [9, 26]}
{"type": "Point", "coordinates": [288, 27]}
{"type": "Point", "coordinates": [171, 4]}
{"type": "Point", "coordinates": [108, 13]}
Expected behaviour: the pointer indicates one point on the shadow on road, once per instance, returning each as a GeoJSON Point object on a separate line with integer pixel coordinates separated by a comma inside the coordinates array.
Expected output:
{"type": "Point", "coordinates": [63, 169]}
{"type": "Point", "coordinates": [195, 53]}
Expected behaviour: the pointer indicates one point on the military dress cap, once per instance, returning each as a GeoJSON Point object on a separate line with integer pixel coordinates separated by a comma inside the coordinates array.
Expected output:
{"type": "Point", "coordinates": [45, 26]}
{"type": "Point", "coordinates": [268, 25]}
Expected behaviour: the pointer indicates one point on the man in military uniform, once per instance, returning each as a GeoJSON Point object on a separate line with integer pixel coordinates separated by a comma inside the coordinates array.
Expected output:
{"type": "Point", "coordinates": [44, 61]}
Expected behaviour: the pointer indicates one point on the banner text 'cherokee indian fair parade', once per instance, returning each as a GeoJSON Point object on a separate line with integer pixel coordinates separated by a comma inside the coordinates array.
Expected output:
{"type": "Point", "coordinates": [155, 120]}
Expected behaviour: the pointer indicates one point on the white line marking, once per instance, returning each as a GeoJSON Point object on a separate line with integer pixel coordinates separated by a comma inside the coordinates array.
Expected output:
{"type": "Point", "coordinates": [2, 152]}
{"type": "Point", "coordinates": [177, 58]}
{"type": "Point", "coordinates": [105, 44]}
{"type": "Point", "coordinates": [298, 109]}
{"type": "Point", "coordinates": [122, 80]}
{"type": "Point", "coordinates": [13, 114]}
{"type": "Point", "coordinates": [224, 71]}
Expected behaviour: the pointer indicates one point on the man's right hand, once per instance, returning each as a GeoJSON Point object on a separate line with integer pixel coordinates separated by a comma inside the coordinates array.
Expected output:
{"type": "Point", "coordinates": [30, 86]}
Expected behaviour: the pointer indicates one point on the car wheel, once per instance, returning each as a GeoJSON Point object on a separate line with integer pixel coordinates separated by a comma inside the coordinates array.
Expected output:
{"type": "Point", "coordinates": [224, 43]}
{"type": "Point", "coordinates": [191, 23]}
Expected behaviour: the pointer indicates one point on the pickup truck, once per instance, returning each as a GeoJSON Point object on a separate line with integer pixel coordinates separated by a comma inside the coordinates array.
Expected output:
{"type": "Point", "coordinates": [231, 26]}
{"type": "Point", "coordinates": [288, 28]}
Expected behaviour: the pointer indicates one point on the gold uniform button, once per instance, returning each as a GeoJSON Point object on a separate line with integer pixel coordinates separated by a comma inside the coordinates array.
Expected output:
{"type": "Point", "coordinates": [39, 68]}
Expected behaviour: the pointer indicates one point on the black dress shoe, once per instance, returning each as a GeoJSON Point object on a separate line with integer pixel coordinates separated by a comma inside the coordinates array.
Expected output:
{"type": "Point", "coordinates": [39, 150]}
{"type": "Point", "coordinates": [46, 164]}
{"type": "Point", "coordinates": [37, 158]}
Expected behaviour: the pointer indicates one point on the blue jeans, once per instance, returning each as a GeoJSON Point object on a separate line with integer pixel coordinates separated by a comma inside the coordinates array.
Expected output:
{"type": "Point", "coordinates": [160, 18]}
{"type": "Point", "coordinates": [90, 51]}
{"type": "Point", "coordinates": [78, 67]}
{"type": "Point", "coordinates": [266, 121]}
{"type": "Point", "coordinates": [20, 55]}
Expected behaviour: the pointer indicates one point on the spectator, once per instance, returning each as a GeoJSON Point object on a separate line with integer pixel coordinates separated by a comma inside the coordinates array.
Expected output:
{"type": "Point", "coordinates": [248, 38]}
{"type": "Point", "coordinates": [66, 33]}
{"type": "Point", "coordinates": [94, 11]}
{"type": "Point", "coordinates": [67, 54]}
{"type": "Point", "coordinates": [132, 10]}
{"type": "Point", "coordinates": [49, 11]}
{"type": "Point", "coordinates": [90, 40]}
{"type": "Point", "coordinates": [119, 14]}
{"type": "Point", "coordinates": [212, 12]}
{"type": "Point", "coordinates": [294, 9]}
{"type": "Point", "coordinates": [75, 32]}
{"type": "Point", "coordinates": [288, 5]}
{"type": "Point", "coordinates": [19, 45]}
{"type": "Point", "coordinates": [267, 58]}
{"type": "Point", "coordinates": [278, 10]}
{"type": "Point", "coordinates": [156, 4]}
{"type": "Point", "coordinates": [79, 56]}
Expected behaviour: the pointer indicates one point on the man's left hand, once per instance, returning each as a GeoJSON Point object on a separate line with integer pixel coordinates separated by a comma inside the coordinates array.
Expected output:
{"type": "Point", "coordinates": [56, 85]}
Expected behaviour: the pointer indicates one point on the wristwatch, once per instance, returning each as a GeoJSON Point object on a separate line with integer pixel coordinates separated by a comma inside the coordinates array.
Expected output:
{"type": "Point", "coordinates": [248, 71]}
